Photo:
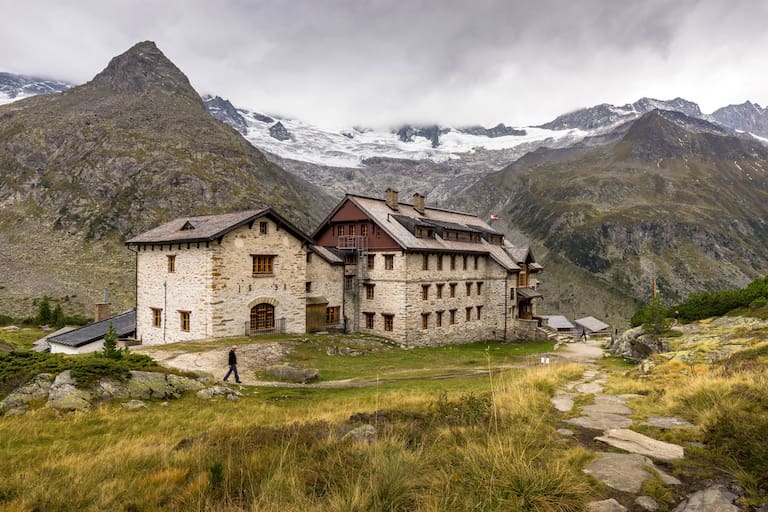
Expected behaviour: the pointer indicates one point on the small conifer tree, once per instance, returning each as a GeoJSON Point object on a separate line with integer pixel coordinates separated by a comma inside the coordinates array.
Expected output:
{"type": "Point", "coordinates": [44, 312]}
{"type": "Point", "coordinates": [57, 318]}
{"type": "Point", "coordinates": [110, 344]}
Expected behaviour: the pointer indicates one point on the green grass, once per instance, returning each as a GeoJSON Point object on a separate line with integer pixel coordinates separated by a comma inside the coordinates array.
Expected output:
{"type": "Point", "coordinates": [23, 338]}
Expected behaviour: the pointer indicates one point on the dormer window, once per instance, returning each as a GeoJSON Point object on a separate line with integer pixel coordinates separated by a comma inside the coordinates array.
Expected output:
{"type": "Point", "coordinates": [190, 224]}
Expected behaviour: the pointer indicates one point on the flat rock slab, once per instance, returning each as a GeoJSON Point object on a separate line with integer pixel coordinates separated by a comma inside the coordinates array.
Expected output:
{"type": "Point", "coordinates": [601, 421]}
{"type": "Point", "coordinates": [563, 402]}
{"type": "Point", "coordinates": [610, 505]}
{"type": "Point", "coordinates": [635, 442]}
{"type": "Point", "coordinates": [589, 387]}
{"type": "Point", "coordinates": [667, 422]}
{"type": "Point", "coordinates": [713, 499]}
{"type": "Point", "coordinates": [606, 407]}
{"type": "Point", "coordinates": [626, 472]}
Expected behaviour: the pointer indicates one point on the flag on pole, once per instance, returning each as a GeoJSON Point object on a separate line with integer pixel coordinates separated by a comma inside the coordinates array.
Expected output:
{"type": "Point", "coordinates": [493, 217]}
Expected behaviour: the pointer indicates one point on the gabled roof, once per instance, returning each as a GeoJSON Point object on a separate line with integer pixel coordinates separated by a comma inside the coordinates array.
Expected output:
{"type": "Point", "coordinates": [592, 324]}
{"type": "Point", "coordinates": [327, 254]}
{"type": "Point", "coordinates": [206, 228]}
{"type": "Point", "coordinates": [399, 225]}
{"type": "Point", "coordinates": [124, 325]}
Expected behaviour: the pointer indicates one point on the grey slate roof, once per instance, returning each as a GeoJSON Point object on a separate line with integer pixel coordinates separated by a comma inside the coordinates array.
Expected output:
{"type": "Point", "coordinates": [592, 324]}
{"type": "Point", "coordinates": [387, 219]}
{"type": "Point", "coordinates": [328, 255]}
{"type": "Point", "coordinates": [42, 345]}
{"type": "Point", "coordinates": [206, 228]}
{"type": "Point", "coordinates": [124, 325]}
{"type": "Point", "coordinates": [559, 322]}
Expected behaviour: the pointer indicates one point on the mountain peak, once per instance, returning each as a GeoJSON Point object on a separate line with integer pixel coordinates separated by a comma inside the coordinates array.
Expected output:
{"type": "Point", "coordinates": [142, 68]}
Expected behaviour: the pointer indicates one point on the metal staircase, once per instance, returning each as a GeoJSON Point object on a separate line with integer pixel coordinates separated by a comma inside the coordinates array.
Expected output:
{"type": "Point", "coordinates": [357, 245]}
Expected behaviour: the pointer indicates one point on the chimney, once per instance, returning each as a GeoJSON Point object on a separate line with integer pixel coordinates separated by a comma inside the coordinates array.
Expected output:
{"type": "Point", "coordinates": [392, 198]}
{"type": "Point", "coordinates": [103, 310]}
{"type": "Point", "coordinates": [418, 203]}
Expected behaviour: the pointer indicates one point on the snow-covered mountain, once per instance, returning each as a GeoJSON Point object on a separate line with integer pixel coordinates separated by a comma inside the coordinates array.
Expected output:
{"type": "Point", "coordinates": [16, 87]}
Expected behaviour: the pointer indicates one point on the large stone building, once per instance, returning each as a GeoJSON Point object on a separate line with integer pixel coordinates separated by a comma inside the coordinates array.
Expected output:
{"type": "Point", "coordinates": [425, 276]}
{"type": "Point", "coordinates": [232, 275]}
{"type": "Point", "coordinates": [417, 275]}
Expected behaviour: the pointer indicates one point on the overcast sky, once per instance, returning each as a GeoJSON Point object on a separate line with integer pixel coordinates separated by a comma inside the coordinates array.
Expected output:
{"type": "Point", "coordinates": [383, 63]}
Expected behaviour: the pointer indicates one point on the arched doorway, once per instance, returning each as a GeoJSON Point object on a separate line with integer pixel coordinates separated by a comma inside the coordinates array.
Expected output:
{"type": "Point", "coordinates": [262, 317]}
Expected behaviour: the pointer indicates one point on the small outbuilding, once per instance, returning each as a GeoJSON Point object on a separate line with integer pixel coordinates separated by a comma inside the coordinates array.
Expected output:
{"type": "Point", "coordinates": [559, 322]}
{"type": "Point", "coordinates": [90, 338]}
{"type": "Point", "coordinates": [592, 325]}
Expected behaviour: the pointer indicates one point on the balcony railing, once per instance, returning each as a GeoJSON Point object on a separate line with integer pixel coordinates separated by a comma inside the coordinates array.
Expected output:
{"type": "Point", "coordinates": [278, 328]}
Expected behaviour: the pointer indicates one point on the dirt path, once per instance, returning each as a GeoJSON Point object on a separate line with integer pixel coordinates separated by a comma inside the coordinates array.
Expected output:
{"type": "Point", "coordinates": [586, 353]}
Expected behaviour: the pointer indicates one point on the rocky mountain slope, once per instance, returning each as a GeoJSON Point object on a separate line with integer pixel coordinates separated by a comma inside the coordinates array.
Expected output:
{"type": "Point", "coordinates": [103, 161]}
{"type": "Point", "coordinates": [666, 196]}
{"type": "Point", "coordinates": [15, 87]}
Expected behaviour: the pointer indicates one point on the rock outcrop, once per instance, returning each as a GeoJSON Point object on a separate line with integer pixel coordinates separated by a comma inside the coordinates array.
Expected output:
{"type": "Point", "coordinates": [634, 344]}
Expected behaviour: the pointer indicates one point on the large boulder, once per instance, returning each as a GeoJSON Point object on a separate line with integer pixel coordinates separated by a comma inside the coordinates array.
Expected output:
{"type": "Point", "coordinates": [634, 344]}
{"type": "Point", "coordinates": [64, 396]}
{"type": "Point", "coordinates": [159, 386]}
{"type": "Point", "coordinates": [292, 373]}
{"type": "Point", "coordinates": [36, 389]}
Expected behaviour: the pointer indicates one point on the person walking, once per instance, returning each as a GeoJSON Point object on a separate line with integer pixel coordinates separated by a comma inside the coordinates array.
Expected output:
{"type": "Point", "coordinates": [583, 335]}
{"type": "Point", "coordinates": [232, 362]}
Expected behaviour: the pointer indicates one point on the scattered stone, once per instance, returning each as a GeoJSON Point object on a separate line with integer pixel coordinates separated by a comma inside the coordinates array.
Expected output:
{"type": "Point", "coordinates": [626, 472]}
{"type": "Point", "coordinates": [606, 407]}
{"type": "Point", "coordinates": [565, 432]}
{"type": "Point", "coordinates": [10, 328]}
{"type": "Point", "coordinates": [362, 433]}
{"type": "Point", "coordinates": [713, 499]}
{"type": "Point", "coordinates": [667, 422]}
{"type": "Point", "coordinates": [563, 402]}
{"type": "Point", "coordinates": [601, 421]}
{"type": "Point", "coordinates": [635, 442]}
{"type": "Point", "coordinates": [293, 374]}
{"type": "Point", "coordinates": [36, 389]}
{"type": "Point", "coordinates": [224, 391]}
{"type": "Point", "coordinates": [610, 505]}
{"type": "Point", "coordinates": [133, 405]}
{"type": "Point", "coordinates": [647, 503]}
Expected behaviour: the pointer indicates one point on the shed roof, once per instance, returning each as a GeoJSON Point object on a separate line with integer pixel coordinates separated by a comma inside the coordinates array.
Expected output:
{"type": "Point", "coordinates": [592, 324]}
{"type": "Point", "coordinates": [528, 293]}
{"type": "Point", "coordinates": [559, 322]}
{"type": "Point", "coordinates": [124, 325]}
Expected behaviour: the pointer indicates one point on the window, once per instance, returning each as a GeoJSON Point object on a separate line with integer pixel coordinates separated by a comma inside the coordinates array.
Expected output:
{"type": "Point", "coordinates": [262, 317]}
{"type": "Point", "coordinates": [425, 320]}
{"type": "Point", "coordinates": [184, 317]}
{"type": "Point", "coordinates": [364, 230]}
{"type": "Point", "coordinates": [522, 277]}
{"type": "Point", "coordinates": [424, 292]}
{"type": "Point", "coordinates": [171, 263]}
{"type": "Point", "coordinates": [453, 262]}
{"type": "Point", "coordinates": [349, 282]}
{"type": "Point", "coordinates": [469, 289]}
{"type": "Point", "coordinates": [308, 286]}
{"type": "Point", "coordinates": [262, 264]}
{"type": "Point", "coordinates": [332, 315]}
{"type": "Point", "coordinates": [369, 320]}
{"type": "Point", "coordinates": [439, 262]}
{"type": "Point", "coordinates": [479, 312]}
{"type": "Point", "coordinates": [309, 257]}
{"type": "Point", "coordinates": [263, 228]}
{"type": "Point", "coordinates": [369, 291]}
{"type": "Point", "coordinates": [425, 262]}
{"type": "Point", "coordinates": [389, 261]}
{"type": "Point", "coordinates": [340, 230]}
{"type": "Point", "coordinates": [350, 259]}
{"type": "Point", "coordinates": [371, 261]}
{"type": "Point", "coordinates": [479, 287]}
{"type": "Point", "coordinates": [439, 319]}
{"type": "Point", "coordinates": [352, 230]}
{"type": "Point", "coordinates": [453, 289]}
{"type": "Point", "coordinates": [440, 290]}
{"type": "Point", "coordinates": [464, 259]}
{"type": "Point", "coordinates": [477, 258]}
{"type": "Point", "coordinates": [157, 317]}
{"type": "Point", "coordinates": [468, 314]}
{"type": "Point", "coordinates": [452, 316]}
{"type": "Point", "coordinates": [389, 322]}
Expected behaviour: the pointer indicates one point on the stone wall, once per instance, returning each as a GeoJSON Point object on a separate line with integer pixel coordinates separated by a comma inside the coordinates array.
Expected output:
{"type": "Point", "coordinates": [185, 289]}
{"type": "Point", "coordinates": [327, 281]}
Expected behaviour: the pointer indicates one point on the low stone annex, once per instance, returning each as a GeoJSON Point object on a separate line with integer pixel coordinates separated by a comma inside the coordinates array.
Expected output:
{"type": "Point", "coordinates": [417, 275]}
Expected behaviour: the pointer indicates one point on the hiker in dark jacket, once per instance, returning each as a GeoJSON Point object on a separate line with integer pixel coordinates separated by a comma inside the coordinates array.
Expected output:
{"type": "Point", "coordinates": [232, 362]}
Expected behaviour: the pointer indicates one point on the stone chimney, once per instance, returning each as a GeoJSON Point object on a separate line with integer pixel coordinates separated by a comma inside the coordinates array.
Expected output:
{"type": "Point", "coordinates": [102, 310]}
{"type": "Point", "coordinates": [418, 203]}
{"type": "Point", "coordinates": [392, 198]}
